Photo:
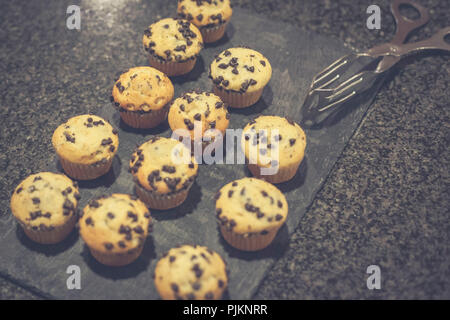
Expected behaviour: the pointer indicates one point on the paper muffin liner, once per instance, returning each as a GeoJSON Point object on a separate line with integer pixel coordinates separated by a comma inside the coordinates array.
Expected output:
{"type": "Point", "coordinates": [85, 171]}
{"type": "Point", "coordinates": [51, 236]}
{"type": "Point", "coordinates": [284, 173]}
{"type": "Point", "coordinates": [144, 120]}
{"type": "Point", "coordinates": [161, 201]}
{"type": "Point", "coordinates": [238, 99]}
{"type": "Point", "coordinates": [172, 68]}
{"type": "Point", "coordinates": [213, 34]}
{"type": "Point", "coordinates": [116, 259]}
{"type": "Point", "coordinates": [254, 242]}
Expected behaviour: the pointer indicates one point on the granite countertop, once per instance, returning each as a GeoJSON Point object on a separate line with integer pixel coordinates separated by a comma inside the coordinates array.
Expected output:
{"type": "Point", "coordinates": [385, 202]}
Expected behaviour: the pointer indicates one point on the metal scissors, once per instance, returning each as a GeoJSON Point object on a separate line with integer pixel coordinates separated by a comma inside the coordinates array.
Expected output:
{"type": "Point", "coordinates": [332, 89]}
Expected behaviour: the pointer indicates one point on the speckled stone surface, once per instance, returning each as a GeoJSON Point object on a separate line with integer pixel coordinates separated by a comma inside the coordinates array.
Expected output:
{"type": "Point", "coordinates": [385, 203]}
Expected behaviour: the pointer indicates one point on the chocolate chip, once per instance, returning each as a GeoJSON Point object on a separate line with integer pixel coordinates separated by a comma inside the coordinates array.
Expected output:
{"type": "Point", "coordinates": [112, 148]}
{"type": "Point", "coordinates": [69, 137]}
{"type": "Point", "coordinates": [263, 62]}
{"type": "Point", "coordinates": [221, 283]}
{"type": "Point", "coordinates": [138, 230]}
{"type": "Point", "coordinates": [218, 211]}
{"type": "Point", "coordinates": [280, 204]}
{"type": "Point", "coordinates": [197, 270]}
{"type": "Point", "coordinates": [133, 216]}
{"type": "Point", "coordinates": [166, 26]}
{"type": "Point", "coordinates": [109, 246]}
{"type": "Point", "coordinates": [250, 69]}
{"type": "Point", "coordinates": [182, 107]}
{"type": "Point", "coordinates": [198, 116]}
{"type": "Point", "coordinates": [234, 184]}
{"type": "Point", "coordinates": [110, 215]}
{"type": "Point", "coordinates": [89, 221]}
{"type": "Point", "coordinates": [168, 169]}
{"type": "Point", "coordinates": [223, 66]}
{"type": "Point", "coordinates": [174, 287]}
{"type": "Point", "coordinates": [19, 190]}
{"type": "Point", "coordinates": [172, 183]}
{"type": "Point", "coordinates": [180, 48]}
{"type": "Point", "coordinates": [122, 244]}
{"type": "Point", "coordinates": [264, 193]}
{"type": "Point", "coordinates": [250, 208]}
{"type": "Point", "coordinates": [191, 165]}
{"type": "Point", "coordinates": [291, 142]}
{"type": "Point", "coordinates": [209, 295]}
{"type": "Point", "coordinates": [278, 217]}
{"type": "Point", "coordinates": [172, 259]}
{"type": "Point", "coordinates": [226, 53]}
{"type": "Point", "coordinates": [106, 141]}
{"type": "Point", "coordinates": [196, 286]}
{"type": "Point", "coordinates": [235, 71]}
{"type": "Point", "coordinates": [124, 229]}
{"type": "Point", "coordinates": [242, 191]}
{"type": "Point", "coordinates": [35, 214]}
{"type": "Point", "coordinates": [230, 193]}
{"type": "Point", "coordinates": [36, 200]}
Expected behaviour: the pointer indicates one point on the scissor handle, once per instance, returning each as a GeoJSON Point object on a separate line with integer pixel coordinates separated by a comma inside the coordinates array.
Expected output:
{"type": "Point", "coordinates": [404, 24]}
{"type": "Point", "coordinates": [437, 41]}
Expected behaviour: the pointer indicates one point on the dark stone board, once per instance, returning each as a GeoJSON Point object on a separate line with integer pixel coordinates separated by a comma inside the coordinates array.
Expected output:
{"type": "Point", "coordinates": [295, 57]}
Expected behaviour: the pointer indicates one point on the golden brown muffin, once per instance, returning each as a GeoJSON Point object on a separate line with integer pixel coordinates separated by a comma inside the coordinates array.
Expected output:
{"type": "Point", "coordinates": [45, 205]}
{"type": "Point", "coordinates": [142, 95]}
{"type": "Point", "coordinates": [191, 273]}
{"type": "Point", "coordinates": [204, 107]}
{"type": "Point", "coordinates": [164, 171]}
{"type": "Point", "coordinates": [211, 16]}
{"type": "Point", "coordinates": [173, 45]}
{"type": "Point", "coordinates": [273, 142]}
{"type": "Point", "coordinates": [86, 145]}
{"type": "Point", "coordinates": [115, 228]}
{"type": "Point", "coordinates": [250, 212]}
{"type": "Point", "coordinates": [239, 76]}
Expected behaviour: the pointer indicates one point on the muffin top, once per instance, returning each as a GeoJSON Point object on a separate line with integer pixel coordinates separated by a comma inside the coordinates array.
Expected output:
{"type": "Point", "coordinates": [251, 205]}
{"type": "Point", "coordinates": [192, 273]}
{"type": "Point", "coordinates": [115, 224]}
{"type": "Point", "coordinates": [241, 70]}
{"type": "Point", "coordinates": [45, 200]}
{"type": "Point", "coordinates": [173, 40]}
{"type": "Point", "coordinates": [163, 165]}
{"type": "Point", "coordinates": [272, 138]}
{"type": "Point", "coordinates": [205, 13]}
{"type": "Point", "coordinates": [204, 107]}
{"type": "Point", "coordinates": [86, 139]}
{"type": "Point", "coordinates": [142, 89]}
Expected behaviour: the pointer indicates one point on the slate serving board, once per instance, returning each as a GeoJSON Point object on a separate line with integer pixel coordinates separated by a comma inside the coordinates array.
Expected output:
{"type": "Point", "coordinates": [295, 57]}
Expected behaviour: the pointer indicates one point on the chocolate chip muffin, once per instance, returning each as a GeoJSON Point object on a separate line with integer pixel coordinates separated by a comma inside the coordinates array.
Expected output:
{"type": "Point", "coordinates": [86, 145]}
{"type": "Point", "coordinates": [164, 171]}
{"type": "Point", "coordinates": [115, 228]}
{"type": "Point", "coordinates": [173, 45]}
{"type": "Point", "coordinates": [239, 76]}
{"type": "Point", "coordinates": [45, 206]}
{"type": "Point", "coordinates": [191, 273]}
{"type": "Point", "coordinates": [204, 109]}
{"type": "Point", "coordinates": [274, 148]}
{"type": "Point", "coordinates": [142, 95]}
{"type": "Point", "coordinates": [250, 212]}
{"type": "Point", "coordinates": [210, 16]}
